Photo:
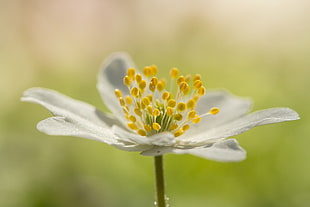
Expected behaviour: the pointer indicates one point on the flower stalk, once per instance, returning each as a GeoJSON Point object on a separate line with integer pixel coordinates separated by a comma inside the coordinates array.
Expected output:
{"type": "Point", "coordinates": [160, 181]}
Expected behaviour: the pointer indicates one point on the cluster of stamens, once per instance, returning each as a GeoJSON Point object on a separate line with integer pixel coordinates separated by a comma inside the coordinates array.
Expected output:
{"type": "Point", "coordinates": [150, 108]}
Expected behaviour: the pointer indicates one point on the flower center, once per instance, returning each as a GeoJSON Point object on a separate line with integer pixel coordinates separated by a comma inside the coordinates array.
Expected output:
{"type": "Point", "coordinates": [150, 108]}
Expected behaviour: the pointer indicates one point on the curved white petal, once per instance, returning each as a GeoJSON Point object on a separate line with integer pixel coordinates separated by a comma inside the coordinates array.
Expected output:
{"type": "Point", "coordinates": [110, 78]}
{"type": "Point", "coordinates": [72, 117]}
{"type": "Point", "coordinates": [245, 123]}
{"type": "Point", "coordinates": [231, 107]}
{"type": "Point", "coordinates": [222, 151]}
{"type": "Point", "coordinates": [161, 139]}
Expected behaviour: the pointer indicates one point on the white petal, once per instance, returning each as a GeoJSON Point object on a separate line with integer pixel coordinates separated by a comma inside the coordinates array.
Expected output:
{"type": "Point", "coordinates": [161, 139]}
{"type": "Point", "coordinates": [231, 107]}
{"type": "Point", "coordinates": [222, 151]}
{"type": "Point", "coordinates": [72, 117]}
{"type": "Point", "coordinates": [110, 78]}
{"type": "Point", "coordinates": [245, 123]}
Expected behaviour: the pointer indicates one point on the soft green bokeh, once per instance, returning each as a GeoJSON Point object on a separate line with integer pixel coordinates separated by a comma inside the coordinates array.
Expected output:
{"type": "Point", "coordinates": [258, 49]}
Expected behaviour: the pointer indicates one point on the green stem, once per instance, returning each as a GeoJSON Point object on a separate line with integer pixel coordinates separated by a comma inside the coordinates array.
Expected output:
{"type": "Point", "coordinates": [160, 181]}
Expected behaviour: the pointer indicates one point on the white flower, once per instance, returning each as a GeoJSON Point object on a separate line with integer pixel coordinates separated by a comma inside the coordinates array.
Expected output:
{"type": "Point", "coordinates": [147, 118]}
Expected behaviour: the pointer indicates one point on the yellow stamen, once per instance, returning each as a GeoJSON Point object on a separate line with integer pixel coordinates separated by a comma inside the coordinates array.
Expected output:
{"type": "Point", "coordinates": [181, 106]}
{"type": "Point", "coordinates": [197, 84]}
{"type": "Point", "coordinates": [141, 132]}
{"type": "Point", "coordinates": [173, 127]}
{"type": "Point", "coordinates": [174, 72]}
{"type": "Point", "coordinates": [148, 128]}
{"type": "Point", "coordinates": [138, 112]}
{"type": "Point", "coordinates": [127, 81]}
{"type": "Point", "coordinates": [191, 104]}
{"type": "Point", "coordinates": [153, 70]}
{"type": "Point", "coordinates": [180, 79]}
{"type": "Point", "coordinates": [134, 92]}
{"type": "Point", "coordinates": [178, 117]}
{"type": "Point", "coordinates": [185, 127]}
{"type": "Point", "coordinates": [197, 77]}
{"type": "Point", "coordinates": [147, 71]}
{"type": "Point", "coordinates": [142, 84]}
{"type": "Point", "coordinates": [156, 126]}
{"type": "Point", "coordinates": [197, 119]}
{"type": "Point", "coordinates": [128, 100]}
{"type": "Point", "coordinates": [118, 93]}
{"type": "Point", "coordinates": [169, 111]}
{"type": "Point", "coordinates": [165, 95]}
{"type": "Point", "coordinates": [138, 78]}
{"type": "Point", "coordinates": [214, 110]}
{"type": "Point", "coordinates": [172, 103]}
{"type": "Point", "coordinates": [132, 118]}
{"type": "Point", "coordinates": [201, 91]}
{"type": "Point", "coordinates": [191, 114]}
{"type": "Point", "coordinates": [121, 101]}
{"type": "Point", "coordinates": [132, 126]}
{"type": "Point", "coordinates": [178, 133]}
{"type": "Point", "coordinates": [161, 85]}
{"type": "Point", "coordinates": [156, 112]}
{"type": "Point", "coordinates": [131, 73]}
{"type": "Point", "coordinates": [146, 101]}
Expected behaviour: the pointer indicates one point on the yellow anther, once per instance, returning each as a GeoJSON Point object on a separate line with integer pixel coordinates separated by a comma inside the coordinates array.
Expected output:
{"type": "Point", "coordinates": [156, 126]}
{"type": "Point", "coordinates": [185, 127]}
{"type": "Point", "coordinates": [127, 81]}
{"type": "Point", "coordinates": [149, 109]}
{"type": "Point", "coordinates": [126, 110]}
{"type": "Point", "coordinates": [197, 119]}
{"type": "Point", "coordinates": [214, 110]}
{"type": "Point", "coordinates": [156, 112]}
{"type": "Point", "coordinates": [154, 69]}
{"type": "Point", "coordinates": [191, 104]}
{"type": "Point", "coordinates": [143, 106]}
{"type": "Point", "coordinates": [118, 93]}
{"type": "Point", "coordinates": [147, 71]}
{"type": "Point", "coordinates": [142, 84]}
{"type": "Point", "coordinates": [197, 84]}
{"type": "Point", "coordinates": [165, 95]}
{"type": "Point", "coordinates": [173, 126]}
{"type": "Point", "coordinates": [201, 91]}
{"type": "Point", "coordinates": [181, 106]}
{"type": "Point", "coordinates": [178, 117]}
{"type": "Point", "coordinates": [169, 111]}
{"type": "Point", "coordinates": [172, 103]}
{"type": "Point", "coordinates": [178, 133]}
{"type": "Point", "coordinates": [138, 112]}
{"type": "Point", "coordinates": [196, 98]}
{"type": "Point", "coordinates": [121, 101]}
{"type": "Point", "coordinates": [191, 114]}
{"type": "Point", "coordinates": [186, 90]}
{"type": "Point", "coordinates": [183, 86]}
{"type": "Point", "coordinates": [131, 73]}
{"type": "Point", "coordinates": [132, 126]}
{"type": "Point", "coordinates": [138, 78]}
{"type": "Point", "coordinates": [188, 78]}
{"type": "Point", "coordinates": [146, 101]}
{"type": "Point", "coordinates": [154, 80]}
{"type": "Point", "coordinates": [141, 132]}
{"type": "Point", "coordinates": [134, 92]}
{"type": "Point", "coordinates": [128, 100]}
{"type": "Point", "coordinates": [197, 77]}
{"type": "Point", "coordinates": [132, 118]}
{"type": "Point", "coordinates": [174, 72]}
{"type": "Point", "coordinates": [180, 79]}
{"type": "Point", "coordinates": [160, 85]}
{"type": "Point", "coordinates": [152, 87]}
{"type": "Point", "coordinates": [148, 128]}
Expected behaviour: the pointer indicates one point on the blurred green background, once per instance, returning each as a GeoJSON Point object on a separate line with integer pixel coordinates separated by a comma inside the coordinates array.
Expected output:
{"type": "Point", "coordinates": [259, 49]}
